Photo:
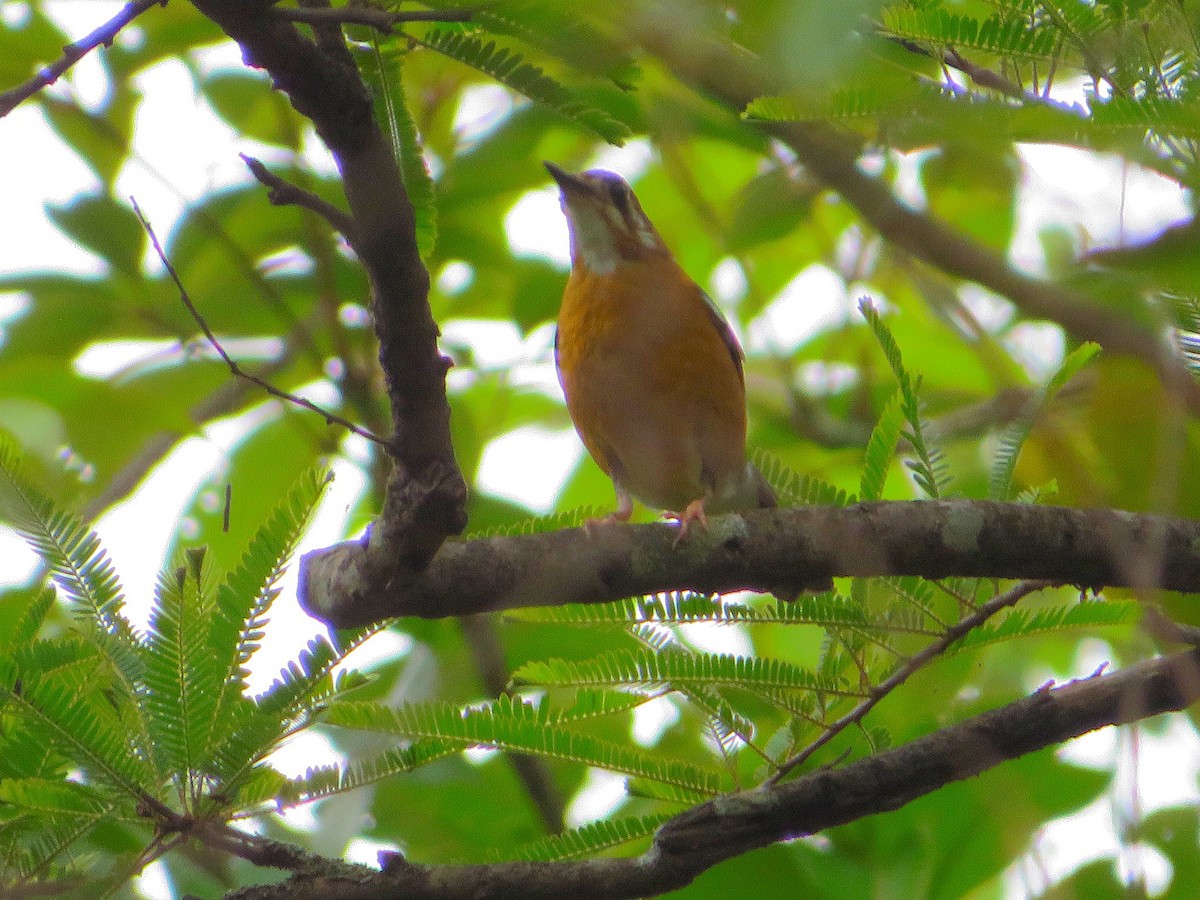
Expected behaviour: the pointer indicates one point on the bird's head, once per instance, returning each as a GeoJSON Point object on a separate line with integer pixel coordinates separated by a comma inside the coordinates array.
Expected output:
{"type": "Point", "coordinates": [607, 224]}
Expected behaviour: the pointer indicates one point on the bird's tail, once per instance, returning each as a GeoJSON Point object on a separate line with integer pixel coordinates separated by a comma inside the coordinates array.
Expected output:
{"type": "Point", "coordinates": [764, 494]}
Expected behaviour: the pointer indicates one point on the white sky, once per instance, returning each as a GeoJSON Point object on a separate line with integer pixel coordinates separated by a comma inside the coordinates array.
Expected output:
{"type": "Point", "coordinates": [1114, 203]}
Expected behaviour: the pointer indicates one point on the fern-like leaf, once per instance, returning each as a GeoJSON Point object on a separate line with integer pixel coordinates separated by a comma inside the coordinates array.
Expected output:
{"type": "Point", "coordinates": [84, 724]}
{"type": "Point", "coordinates": [647, 670]}
{"type": "Point", "coordinates": [795, 489]}
{"type": "Point", "coordinates": [1014, 437]}
{"type": "Point", "coordinates": [511, 70]}
{"type": "Point", "coordinates": [325, 781]}
{"type": "Point", "coordinates": [392, 108]}
{"type": "Point", "coordinates": [587, 840]}
{"type": "Point", "coordinates": [244, 598]}
{"type": "Point", "coordinates": [929, 467]}
{"type": "Point", "coordinates": [1021, 623]}
{"type": "Point", "coordinates": [183, 678]}
{"type": "Point", "coordinates": [510, 724]}
{"type": "Point", "coordinates": [881, 447]}
{"type": "Point", "coordinates": [1010, 37]}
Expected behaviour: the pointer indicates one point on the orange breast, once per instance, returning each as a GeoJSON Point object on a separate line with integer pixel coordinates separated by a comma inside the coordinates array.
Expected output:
{"type": "Point", "coordinates": [651, 384]}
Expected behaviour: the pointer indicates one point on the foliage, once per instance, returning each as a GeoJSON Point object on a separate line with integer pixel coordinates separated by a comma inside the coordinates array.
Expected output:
{"type": "Point", "coordinates": [913, 387]}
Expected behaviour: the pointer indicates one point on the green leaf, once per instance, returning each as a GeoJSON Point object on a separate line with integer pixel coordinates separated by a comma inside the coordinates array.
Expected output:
{"type": "Point", "coordinates": [392, 107]}
{"type": "Point", "coordinates": [510, 724]}
{"type": "Point", "coordinates": [252, 107]}
{"type": "Point", "coordinates": [107, 228]}
{"type": "Point", "coordinates": [1022, 623]}
{"type": "Point", "coordinates": [648, 670]}
{"type": "Point", "coordinates": [510, 69]}
{"type": "Point", "coordinates": [588, 840]}
{"type": "Point", "coordinates": [881, 447]}
{"type": "Point", "coordinates": [1014, 437]}
{"type": "Point", "coordinates": [929, 467]}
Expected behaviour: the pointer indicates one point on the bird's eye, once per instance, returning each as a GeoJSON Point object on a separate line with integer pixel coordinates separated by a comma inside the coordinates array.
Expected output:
{"type": "Point", "coordinates": [619, 196]}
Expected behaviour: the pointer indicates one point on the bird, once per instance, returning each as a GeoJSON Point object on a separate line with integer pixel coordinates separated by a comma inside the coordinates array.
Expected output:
{"type": "Point", "coordinates": [650, 368]}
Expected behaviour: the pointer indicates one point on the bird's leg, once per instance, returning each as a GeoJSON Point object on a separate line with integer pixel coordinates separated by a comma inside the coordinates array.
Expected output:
{"type": "Point", "coordinates": [620, 515]}
{"type": "Point", "coordinates": [693, 513]}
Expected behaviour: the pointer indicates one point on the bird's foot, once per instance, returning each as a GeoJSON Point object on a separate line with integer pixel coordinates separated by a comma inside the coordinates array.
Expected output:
{"type": "Point", "coordinates": [693, 513]}
{"type": "Point", "coordinates": [617, 517]}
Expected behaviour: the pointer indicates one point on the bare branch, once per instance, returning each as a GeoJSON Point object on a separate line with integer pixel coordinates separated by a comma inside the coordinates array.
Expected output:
{"type": "Point", "coordinates": [797, 547]}
{"type": "Point", "coordinates": [237, 370]}
{"type": "Point", "coordinates": [72, 53]}
{"type": "Point", "coordinates": [967, 623]}
{"type": "Point", "coordinates": [702, 837]}
{"type": "Point", "coordinates": [283, 193]}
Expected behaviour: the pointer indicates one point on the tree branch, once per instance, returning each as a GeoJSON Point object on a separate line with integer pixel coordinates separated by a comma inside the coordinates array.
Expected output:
{"type": "Point", "coordinates": [702, 837]}
{"type": "Point", "coordinates": [734, 78]}
{"type": "Point", "coordinates": [426, 494]}
{"type": "Point", "coordinates": [282, 193]}
{"type": "Point", "coordinates": [801, 546]}
{"type": "Point", "coordinates": [72, 53]}
{"type": "Point", "coordinates": [238, 372]}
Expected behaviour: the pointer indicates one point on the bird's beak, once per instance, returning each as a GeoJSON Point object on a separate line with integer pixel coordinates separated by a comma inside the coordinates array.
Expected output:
{"type": "Point", "coordinates": [568, 183]}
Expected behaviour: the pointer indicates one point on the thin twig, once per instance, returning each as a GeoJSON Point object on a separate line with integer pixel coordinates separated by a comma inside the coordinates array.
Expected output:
{"type": "Point", "coordinates": [284, 193]}
{"type": "Point", "coordinates": [906, 671]}
{"type": "Point", "coordinates": [238, 371]}
{"type": "Point", "coordinates": [72, 53]}
{"type": "Point", "coordinates": [379, 19]}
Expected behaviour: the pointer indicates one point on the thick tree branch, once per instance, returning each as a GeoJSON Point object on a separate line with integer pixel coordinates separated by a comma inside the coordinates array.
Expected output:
{"type": "Point", "coordinates": [734, 78]}
{"type": "Point", "coordinates": [730, 825]}
{"type": "Point", "coordinates": [426, 494]}
{"type": "Point", "coordinates": [72, 53]}
{"type": "Point", "coordinates": [800, 546]}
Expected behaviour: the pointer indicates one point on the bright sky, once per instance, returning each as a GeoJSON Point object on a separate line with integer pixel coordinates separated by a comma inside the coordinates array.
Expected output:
{"type": "Point", "coordinates": [1059, 186]}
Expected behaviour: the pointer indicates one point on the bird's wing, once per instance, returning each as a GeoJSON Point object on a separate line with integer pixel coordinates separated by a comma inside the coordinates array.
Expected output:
{"type": "Point", "coordinates": [557, 368]}
{"type": "Point", "coordinates": [722, 325]}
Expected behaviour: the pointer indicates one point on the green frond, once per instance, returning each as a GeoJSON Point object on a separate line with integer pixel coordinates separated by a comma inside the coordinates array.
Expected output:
{"type": "Point", "coordinates": [70, 659]}
{"type": "Point", "coordinates": [881, 447]}
{"type": "Point", "coordinates": [510, 724]}
{"type": "Point", "coordinates": [551, 28]}
{"type": "Point", "coordinates": [29, 622]}
{"type": "Point", "coordinates": [325, 781]}
{"type": "Point", "coordinates": [929, 467]}
{"type": "Point", "coordinates": [731, 730]}
{"type": "Point", "coordinates": [38, 848]}
{"type": "Point", "coordinates": [588, 840]}
{"type": "Point", "coordinates": [1014, 437]}
{"type": "Point", "coordinates": [1159, 115]}
{"type": "Point", "coordinates": [184, 678]}
{"type": "Point", "coordinates": [1010, 37]}
{"type": "Point", "coordinates": [556, 521]}
{"type": "Point", "coordinates": [386, 77]}
{"type": "Point", "coordinates": [647, 670]}
{"type": "Point", "coordinates": [1038, 493]}
{"type": "Point", "coordinates": [84, 724]}
{"type": "Point", "coordinates": [795, 489]}
{"type": "Point", "coordinates": [286, 707]}
{"type": "Point", "coordinates": [77, 562]}
{"type": "Point", "coordinates": [239, 615]}
{"type": "Point", "coordinates": [664, 793]}
{"type": "Point", "coordinates": [1021, 623]}
{"type": "Point", "coordinates": [918, 593]}
{"type": "Point", "coordinates": [58, 798]}
{"type": "Point", "coordinates": [589, 703]}
{"type": "Point", "coordinates": [841, 105]}
{"type": "Point", "coordinates": [511, 70]}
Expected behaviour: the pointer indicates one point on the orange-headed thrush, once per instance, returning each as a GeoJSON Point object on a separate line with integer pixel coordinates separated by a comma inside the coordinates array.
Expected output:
{"type": "Point", "coordinates": [651, 370]}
